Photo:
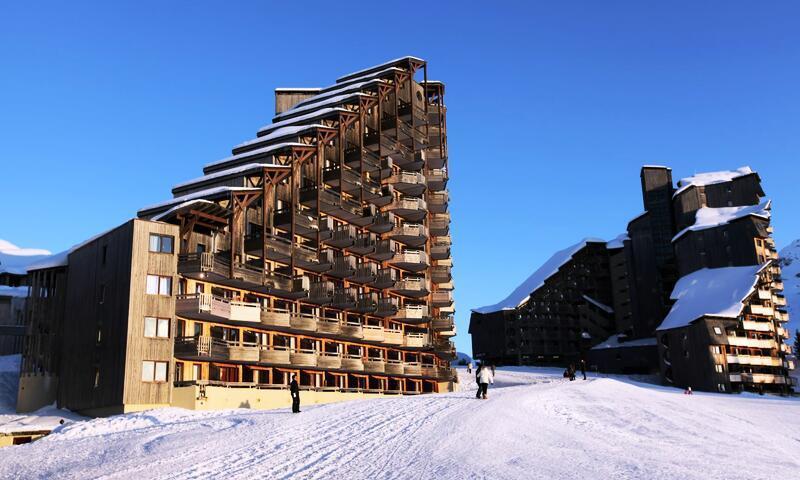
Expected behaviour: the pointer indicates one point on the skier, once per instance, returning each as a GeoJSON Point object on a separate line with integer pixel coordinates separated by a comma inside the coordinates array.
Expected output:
{"type": "Point", "coordinates": [688, 391]}
{"type": "Point", "coordinates": [583, 368]}
{"type": "Point", "coordinates": [571, 370]}
{"type": "Point", "coordinates": [484, 378]}
{"type": "Point", "coordinates": [294, 390]}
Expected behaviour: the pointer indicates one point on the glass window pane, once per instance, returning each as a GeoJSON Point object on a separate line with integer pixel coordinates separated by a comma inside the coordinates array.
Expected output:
{"type": "Point", "coordinates": [165, 286]}
{"type": "Point", "coordinates": [149, 327]}
{"type": "Point", "coordinates": [152, 285]}
{"type": "Point", "coordinates": [163, 327]}
{"type": "Point", "coordinates": [161, 372]}
{"type": "Point", "coordinates": [154, 243]}
{"type": "Point", "coordinates": [166, 244]}
{"type": "Point", "coordinates": [147, 371]}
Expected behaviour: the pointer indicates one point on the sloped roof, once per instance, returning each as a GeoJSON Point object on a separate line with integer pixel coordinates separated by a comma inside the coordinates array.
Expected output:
{"type": "Point", "coordinates": [706, 217]}
{"type": "Point", "coordinates": [710, 178]}
{"type": "Point", "coordinates": [15, 260]}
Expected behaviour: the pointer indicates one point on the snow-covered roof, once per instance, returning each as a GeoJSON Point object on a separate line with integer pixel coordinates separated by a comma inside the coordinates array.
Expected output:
{"type": "Point", "coordinates": [714, 292]}
{"type": "Point", "coordinates": [207, 193]}
{"type": "Point", "coordinates": [61, 259]}
{"type": "Point", "coordinates": [15, 260]}
{"type": "Point", "coordinates": [382, 66]}
{"type": "Point", "coordinates": [320, 103]}
{"type": "Point", "coordinates": [521, 294]}
{"type": "Point", "coordinates": [709, 178]}
{"type": "Point", "coordinates": [279, 133]}
{"type": "Point", "coordinates": [253, 153]}
{"type": "Point", "coordinates": [618, 241]}
{"type": "Point", "coordinates": [656, 166]}
{"type": "Point", "coordinates": [601, 306]}
{"type": "Point", "coordinates": [614, 342]}
{"type": "Point", "coordinates": [242, 169]}
{"type": "Point", "coordinates": [332, 91]}
{"type": "Point", "coordinates": [323, 112]}
{"type": "Point", "coordinates": [706, 217]}
{"type": "Point", "coordinates": [297, 89]}
{"type": "Point", "coordinates": [198, 204]}
{"type": "Point", "coordinates": [6, 291]}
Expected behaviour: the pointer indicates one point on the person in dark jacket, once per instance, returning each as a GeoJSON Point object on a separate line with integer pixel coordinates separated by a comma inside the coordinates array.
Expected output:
{"type": "Point", "coordinates": [477, 379]}
{"type": "Point", "coordinates": [571, 370]}
{"type": "Point", "coordinates": [583, 368]}
{"type": "Point", "coordinates": [294, 389]}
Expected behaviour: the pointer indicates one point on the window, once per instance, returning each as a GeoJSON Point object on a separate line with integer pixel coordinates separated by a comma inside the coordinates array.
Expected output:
{"type": "Point", "coordinates": [96, 377]}
{"type": "Point", "coordinates": [105, 254]}
{"type": "Point", "coordinates": [161, 243]}
{"type": "Point", "coordinates": [158, 285]}
{"type": "Point", "coordinates": [154, 371]}
{"type": "Point", "coordinates": [156, 327]}
{"type": "Point", "coordinates": [102, 295]}
{"type": "Point", "coordinates": [718, 368]}
{"type": "Point", "coordinates": [721, 387]}
{"type": "Point", "coordinates": [718, 330]}
{"type": "Point", "coordinates": [716, 350]}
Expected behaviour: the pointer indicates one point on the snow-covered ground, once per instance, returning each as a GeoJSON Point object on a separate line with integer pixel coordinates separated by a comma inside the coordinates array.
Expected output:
{"type": "Point", "coordinates": [534, 425]}
{"type": "Point", "coordinates": [790, 267]}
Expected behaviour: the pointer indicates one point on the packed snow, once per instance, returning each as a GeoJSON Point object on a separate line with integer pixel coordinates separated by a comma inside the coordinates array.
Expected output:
{"type": "Point", "coordinates": [534, 425]}
{"type": "Point", "coordinates": [718, 292]}
{"type": "Point", "coordinates": [618, 241]}
{"type": "Point", "coordinates": [600, 305]}
{"type": "Point", "coordinates": [521, 294]}
{"type": "Point", "coordinates": [706, 217]}
{"type": "Point", "coordinates": [790, 272]}
{"type": "Point", "coordinates": [279, 133]}
{"type": "Point", "coordinates": [252, 153]}
{"type": "Point", "coordinates": [618, 340]}
{"type": "Point", "coordinates": [15, 260]}
{"type": "Point", "coordinates": [710, 178]}
{"type": "Point", "coordinates": [241, 169]}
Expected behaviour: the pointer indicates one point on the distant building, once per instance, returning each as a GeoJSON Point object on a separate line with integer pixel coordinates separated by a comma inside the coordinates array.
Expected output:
{"type": "Point", "coordinates": [13, 294]}
{"type": "Point", "coordinates": [320, 248]}
{"type": "Point", "coordinates": [692, 289]}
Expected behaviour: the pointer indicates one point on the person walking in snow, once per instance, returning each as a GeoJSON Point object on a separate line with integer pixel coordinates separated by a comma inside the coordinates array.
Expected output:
{"type": "Point", "coordinates": [571, 370]}
{"type": "Point", "coordinates": [484, 378]}
{"type": "Point", "coordinates": [492, 366]}
{"type": "Point", "coordinates": [294, 390]}
{"type": "Point", "coordinates": [583, 368]}
{"type": "Point", "coordinates": [478, 379]}
{"type": "Point", "coordinates": [469, 367]}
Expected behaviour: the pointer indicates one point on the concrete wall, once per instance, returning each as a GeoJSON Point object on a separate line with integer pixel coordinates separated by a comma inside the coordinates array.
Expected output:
{"type": "Point", "coordinates": [36, 391]}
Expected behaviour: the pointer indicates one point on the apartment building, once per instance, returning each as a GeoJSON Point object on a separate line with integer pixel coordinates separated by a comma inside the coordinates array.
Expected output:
{"type": "Point", "coordinates": [320, 248]}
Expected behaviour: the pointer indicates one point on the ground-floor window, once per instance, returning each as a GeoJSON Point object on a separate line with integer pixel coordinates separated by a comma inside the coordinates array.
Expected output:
{"type": "Point", "coordinates": [153, 371]}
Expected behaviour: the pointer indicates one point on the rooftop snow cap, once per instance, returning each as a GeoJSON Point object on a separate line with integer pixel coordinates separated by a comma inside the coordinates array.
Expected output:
{"type": "Point", "coordinates": [15, 260]}
{"type": "Point", "coordinates": [713, 217]}
{"type": "Point", "coordinates": [710, 178]}
{"type": "Point", "coordinates": [713, 292]}
{"type": "Point", "coordinates": [521, 294]}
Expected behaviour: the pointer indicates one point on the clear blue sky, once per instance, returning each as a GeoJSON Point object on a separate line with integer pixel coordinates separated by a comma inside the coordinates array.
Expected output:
{"type": "Point", "coordinates": [553, 107]}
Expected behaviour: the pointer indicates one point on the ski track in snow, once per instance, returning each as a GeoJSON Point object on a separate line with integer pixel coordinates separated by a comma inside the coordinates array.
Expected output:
{"type": "Point", "coordinates": [534, 425]}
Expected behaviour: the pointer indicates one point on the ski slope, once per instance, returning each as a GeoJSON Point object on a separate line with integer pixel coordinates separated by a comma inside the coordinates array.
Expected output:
{"type": "Point", "coordinates": [534, 425]}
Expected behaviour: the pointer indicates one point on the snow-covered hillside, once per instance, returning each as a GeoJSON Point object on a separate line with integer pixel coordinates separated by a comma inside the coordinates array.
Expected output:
{"type": "Point", "coordinates": [534, 425]}
{"type": "Point", "coordinates": [790, 266]}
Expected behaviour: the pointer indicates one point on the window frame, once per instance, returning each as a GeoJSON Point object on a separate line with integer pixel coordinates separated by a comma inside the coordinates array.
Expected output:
{"type": "Point", "coordinates": [160, 283]}
{"type": "Point", "coordinates": [159, 243]}
{"type": "Point", "coordinates": [154, 371]}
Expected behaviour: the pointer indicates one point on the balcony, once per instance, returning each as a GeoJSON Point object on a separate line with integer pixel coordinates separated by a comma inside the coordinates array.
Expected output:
{"type": "Point", "coordinates": [441, 274]}
{"type": "Point", "coordinates": [244, 352]}
{"type": "Point", "coordinates": [329, 360]}
{"type": "Point", "coordinates": [201, 347]}
{"type": "Point", "coordinates": [343, 266]}
{"type": "Point", "coordinates": [437, 202]}
{"type": "Point", "coordinates": [382, 223]}
{"type": "Point", "coordinates": [386, 278]}
{"type": "Point", "coordinates": [321, 292]}
{"type": "Point", "coordinates": [330, 326]}
{"type": "Point", "coordinates": [219, 307]}
{"type": "Point", "coordinates": [386, 307]}
{"type": "Point", "coordinates": [352, 362]}
{"type": "Point", "coordinates": [436, 179]}
{"type": "Point", "coordinates": [344, 298]}
{"type": "Point", "coordinates": [318, 263]}
{"type": "Point", "coordinates": [439, 225]}
{"type": "Point", "coordinates": [412, 368]}
{"type": "Point", "coordinates": [779, 300]}
{"type": "Point", "coordinates": [395, 367]}
{"type": "Point", "coordinates": [411, 260]}
{"type": "Point", "coordinates": [755, 360]}
{"type": "Point", "coordinates": [351, 329]}
{"type": "Point", "coordinates": [393, 337]}
{"type": "Point", "coordinates": [331, 203]}
{"type": "Point", "coordinates": [305, 224]}
{"type": "Point", "coordinates": [274, 354]}
{"type": "Point", "coordinates": [781, 316]}
{"type": "Point", "coordinates": [275, 317]}
{"type": "Point", "coordinates": [440, 251]}
{"type": "Point", "coordinates": [384, 250]}
{"type": "Point", "coordinates": [375, 365]}
{"type": "Point", "coordinates": [429, 370]}
{"type": "Point", "coordinates": [380, 196]}
{"type": "Point", "coordinates": [411, 209]}
{"type": "Point", "coordinates": [435, 158]}
{"type": "Point", "coordinates": [758, 378]}
{"type": "Point", "coordinates": [408, 183]}
{"type": "Point", "coordinates": [412, 234]}
{"type": "Point", "coordinates": [303, 358]}
{"type": "Point", "coordinates": [303, 321]}
{"type": "Point", "coordinates": [366, 302]}
{"type": "Point", "coordinates": [363, 244]}
{"type": "Point", "coordinates": [412, 287]}
{"type": "Point", "coordinates": [751, 342]}
{"type": "Point", "coordinates": [442, 299]}
{"type": "Point", "coordinates": [762, 310]}
{"type": "Point", "coordinates": [365, 273]}
{"type": "Point", "coordinates": [758, 326]}
{"type": "Point", "coordinates": [782, 332]}
{"type": "Point", "coordinates": [373, 333]}
{"type": "Point", "coordinates": [764, 294]}
{"type": "Point", "coordinates": [342, 236]}
{"type": "Point", "coordinates": [407, 160]}
{"type": "Point", "coordinates": [412, 314]}
{"type": "Point", "coordinates": [343, 179]}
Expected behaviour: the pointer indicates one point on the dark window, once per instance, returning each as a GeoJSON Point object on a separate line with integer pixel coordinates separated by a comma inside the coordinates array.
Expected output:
{"type": "Point", "coordinates": [102, 295]}
{"type": "Point", "coordinates": [105, 254]}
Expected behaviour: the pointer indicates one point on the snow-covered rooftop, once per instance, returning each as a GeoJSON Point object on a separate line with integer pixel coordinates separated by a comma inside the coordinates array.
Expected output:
{"type": "Point", "coordinates": [253, 153]}
{"type": "Point", "coordinates": [6, 291]}
{"type": "Point", "coordinates": [231, 171]}
{"type": "Point", "coordinates": [207, 193]}
{"type": "Point", "coordinates": [320, 103]}
{"type": "Point", "coordinates": [279, 133]}
{"type": "Point", "coordinates": [61, 259]}
{"type": "Point", "coordinates": [381, 66]}
{"type": "Point", "coordinates": [335, 91]}
{"type": "Point", "coordinates": [614, 342]}
{"type": "Point", "coordinates": [715, 292]}
{"type": "Point", "coordinates": [601, 306]}
{"type": "Point", "coordinates": [618, 241]}
{"type": "Point", "coordinates": [521, 294]}
{"type": "Point", "coordinates": [713, 217]}
{"type": "Point", "coordinates": [709, 178]}
{"type": "Point", "coordinates": [15, 260]}
{"type": "Point", "coordinates": [301, 119]}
